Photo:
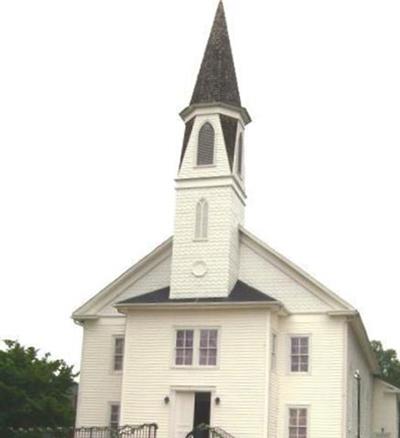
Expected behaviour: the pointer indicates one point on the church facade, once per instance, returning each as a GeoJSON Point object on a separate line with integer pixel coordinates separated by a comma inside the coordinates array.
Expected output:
{"type": "Point", "coordinates": [216, 327]}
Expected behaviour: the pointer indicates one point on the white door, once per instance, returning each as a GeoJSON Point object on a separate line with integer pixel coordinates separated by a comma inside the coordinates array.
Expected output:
{"type": "Point", "coordinates": [184, 414]}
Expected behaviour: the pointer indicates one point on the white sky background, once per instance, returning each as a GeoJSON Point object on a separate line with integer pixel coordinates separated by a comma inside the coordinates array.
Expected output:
{"type": "Point", "coordinates": [90, 140]}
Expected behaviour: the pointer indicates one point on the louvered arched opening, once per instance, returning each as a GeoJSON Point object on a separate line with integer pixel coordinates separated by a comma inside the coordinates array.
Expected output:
{"type": "Point", "coordinates": [205, 147]}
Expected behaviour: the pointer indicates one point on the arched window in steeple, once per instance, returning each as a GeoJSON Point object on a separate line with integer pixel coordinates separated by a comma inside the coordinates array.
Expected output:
{"type": "Point", "coordinates": [240, 155]}
{"type": "Point", "coordinates": [201, 231]}
{"type": "Point", "coordinates": [205, 147]}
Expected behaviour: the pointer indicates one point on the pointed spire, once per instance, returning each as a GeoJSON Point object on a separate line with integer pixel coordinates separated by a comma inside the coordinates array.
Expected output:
{"type": "Point", "coordinates": [217, 77]}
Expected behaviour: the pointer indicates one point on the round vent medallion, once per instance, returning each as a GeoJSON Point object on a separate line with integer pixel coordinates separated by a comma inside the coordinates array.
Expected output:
{"type": "Point", "coordinates": [199, 269]}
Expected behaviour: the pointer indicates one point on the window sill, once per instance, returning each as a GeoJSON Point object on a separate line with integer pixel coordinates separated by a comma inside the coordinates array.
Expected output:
{"type": "Point", "coordinates": [195, 367]}
{"type": "Point", "coordinates": [204, 166]}
{"type": "Point", "coordinates": [200, 240]}
{"type": "Point", "coordinates": [299, 373]}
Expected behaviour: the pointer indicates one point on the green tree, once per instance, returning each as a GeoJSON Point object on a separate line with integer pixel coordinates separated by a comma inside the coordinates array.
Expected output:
{"type": "Point", "coordinates": [34, 391]}
{"type": "Point", "coordinates": [389, 363]}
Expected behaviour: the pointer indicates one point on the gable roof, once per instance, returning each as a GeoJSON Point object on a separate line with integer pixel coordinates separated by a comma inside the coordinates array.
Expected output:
{"type": "Point", "coordinates": [295, 272]}
{"type": "Point", "coordinates": [393, 389]}
{"type": "Point", "coordinates": [111, 292]}
{"type": "Point", "coordinates": [241, 293]}
{"type": "Point", "coordinates": [89, 309]}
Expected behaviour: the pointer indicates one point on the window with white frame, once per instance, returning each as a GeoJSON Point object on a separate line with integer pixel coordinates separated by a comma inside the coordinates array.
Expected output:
{"type": "Point", "coordinates": [298, 427]}
{"type": "Point", "coordinates": [118, 353]}
{"type": "Point", "coordinates": [114, 415]}
{"type": "Point", "coordinates": [208, 347]}
{"type": "Point", "coordinates": [196, 347]}
{"type": "Point", "coordinates": [205, 147]}
{"type": "Point", "coordinates": [299, 354]}
{"type": "Point", "coordinates": [201, 230]}
{"type": "Point", "coordinates": [184, 347]}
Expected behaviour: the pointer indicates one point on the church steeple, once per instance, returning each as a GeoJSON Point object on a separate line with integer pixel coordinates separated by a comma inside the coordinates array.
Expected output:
{"type": "Point", "coordinates": [217, 81]}
{"type": "Point", "coordinates": [210, 188]}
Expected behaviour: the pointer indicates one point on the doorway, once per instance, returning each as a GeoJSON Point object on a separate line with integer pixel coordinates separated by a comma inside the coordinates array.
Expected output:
{"type": "Point", "coordinates": [191, 410]}
{"type": "Point", "coordinates": [202, 408]}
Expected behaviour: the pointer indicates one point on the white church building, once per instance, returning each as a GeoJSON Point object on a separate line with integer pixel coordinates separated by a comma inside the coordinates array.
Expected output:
{"type": "Point", "coordinates": [216, 327]}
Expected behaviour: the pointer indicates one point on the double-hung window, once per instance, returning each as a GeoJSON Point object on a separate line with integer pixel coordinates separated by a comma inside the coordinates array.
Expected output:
{"type": "Point", "coordinates": [184, 347]}
{"type": "Point", "coordinates": [299, 354]}
{"type": "Point", "coordinates": [114, 416]}
{"type": "Point", "coordinates": [298, 427]}
{"type": "Point", "coordinates": [208, 347]}
{"type": "Point", "coordinates": [196, 347]}
{"type": "Point", "coordinates": [118, 353]}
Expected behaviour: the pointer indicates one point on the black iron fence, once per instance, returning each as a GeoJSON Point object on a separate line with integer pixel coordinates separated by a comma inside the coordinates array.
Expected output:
{"type": "Point", "coordinates": [205, 431]}
{"type": "Point", "coordinates": [141, 431]}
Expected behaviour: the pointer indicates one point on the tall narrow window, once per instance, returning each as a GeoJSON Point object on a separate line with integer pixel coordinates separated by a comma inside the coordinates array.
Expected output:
{"type": "Point", "coordinates": [201, 231]}
{"type": "Point", "coordinates": [299, 354]}
{"type": "Point", "coordinates": [114, 416]}
{"type": "Point", "coordinates": [184, 347]}
{"type": "Point", "coordinates": [118, 353]}
{"type": "Point", "coordinates": [240, 156]}
{"type": "Point", "coordinates": [205, 147]}
{"type": "Point", "coordinates": [208, 347]}
{"type": "Point", "coordinates": [298, 423]}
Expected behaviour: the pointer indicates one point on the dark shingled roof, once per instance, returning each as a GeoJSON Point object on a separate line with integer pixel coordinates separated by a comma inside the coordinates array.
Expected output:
{"type": "Point", "coordinates": [217, 77]}
{"type": "Point", "coordinates": [241, 293]}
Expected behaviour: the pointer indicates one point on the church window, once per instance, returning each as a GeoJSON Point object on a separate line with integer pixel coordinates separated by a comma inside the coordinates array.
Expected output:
{"type": "Point", "coordinates": [196, 347]}
{"type": "Point", "coordinates": [240, 156]}
{"type": "Point", "coordinates": [299, 354]}
{"type": "Point", "coordinates": [205, 147]}
{"type": "Point", "coordinates": [201, 219]}
{"type": "Point", "coordinates": [298, 423]}
{"type": "Point", "coordinates": [118, 353]}
{"type": "Point", "coordinates": [184, 347]}
{"type": "Point", "coordinates": [114, 415]}
{"type": "Point", "coordinates": [208, 347]}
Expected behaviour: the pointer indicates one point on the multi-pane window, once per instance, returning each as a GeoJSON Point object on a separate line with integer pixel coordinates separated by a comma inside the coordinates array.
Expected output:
{"type": "Point", "coordinates": [201, 219]}
{"type": "Point", "coordinates": [299, 354]}
{"type": "Point", "coordinates": [297, 423]}
{"type": "Point", "coordinates": [118, 353]}
{"type": "Point", "coordinates": [114, 416]}
{"type": "Point", "coordinates": [196, 347]}
{"type": "Point", "coordinates": [184, 347]}
{"type": "Point", "coordinates": [205, 147]}
{"type": "Point", "coordinates": [208, 347]}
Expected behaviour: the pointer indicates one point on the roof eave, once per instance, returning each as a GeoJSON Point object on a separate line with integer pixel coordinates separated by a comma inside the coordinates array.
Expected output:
{"type": "Point", "coordinates": [84, 311]}
{"type": "Point", "coordinates": [360, 331]}
{"type": "Point", "coordinates": [185, 114]}
{"type": "Point", "coordinates": [274, 305]}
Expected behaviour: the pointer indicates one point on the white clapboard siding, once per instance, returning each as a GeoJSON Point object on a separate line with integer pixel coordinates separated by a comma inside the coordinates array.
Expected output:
{"type": "Point", "coordinates": [99, 385]}
{"type": "Point", "coordinates": [263, 275]}
{"type": "Point", "coordinates": [240, 380]}
{"type": "Point", "coordinates": [321, 390]}
{"type": "Point", "coordinates": [385, 409]}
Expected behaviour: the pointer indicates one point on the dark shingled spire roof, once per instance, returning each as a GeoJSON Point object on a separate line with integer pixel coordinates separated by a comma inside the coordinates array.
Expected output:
{"type": "Point", "coordinates": [217, 78]}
